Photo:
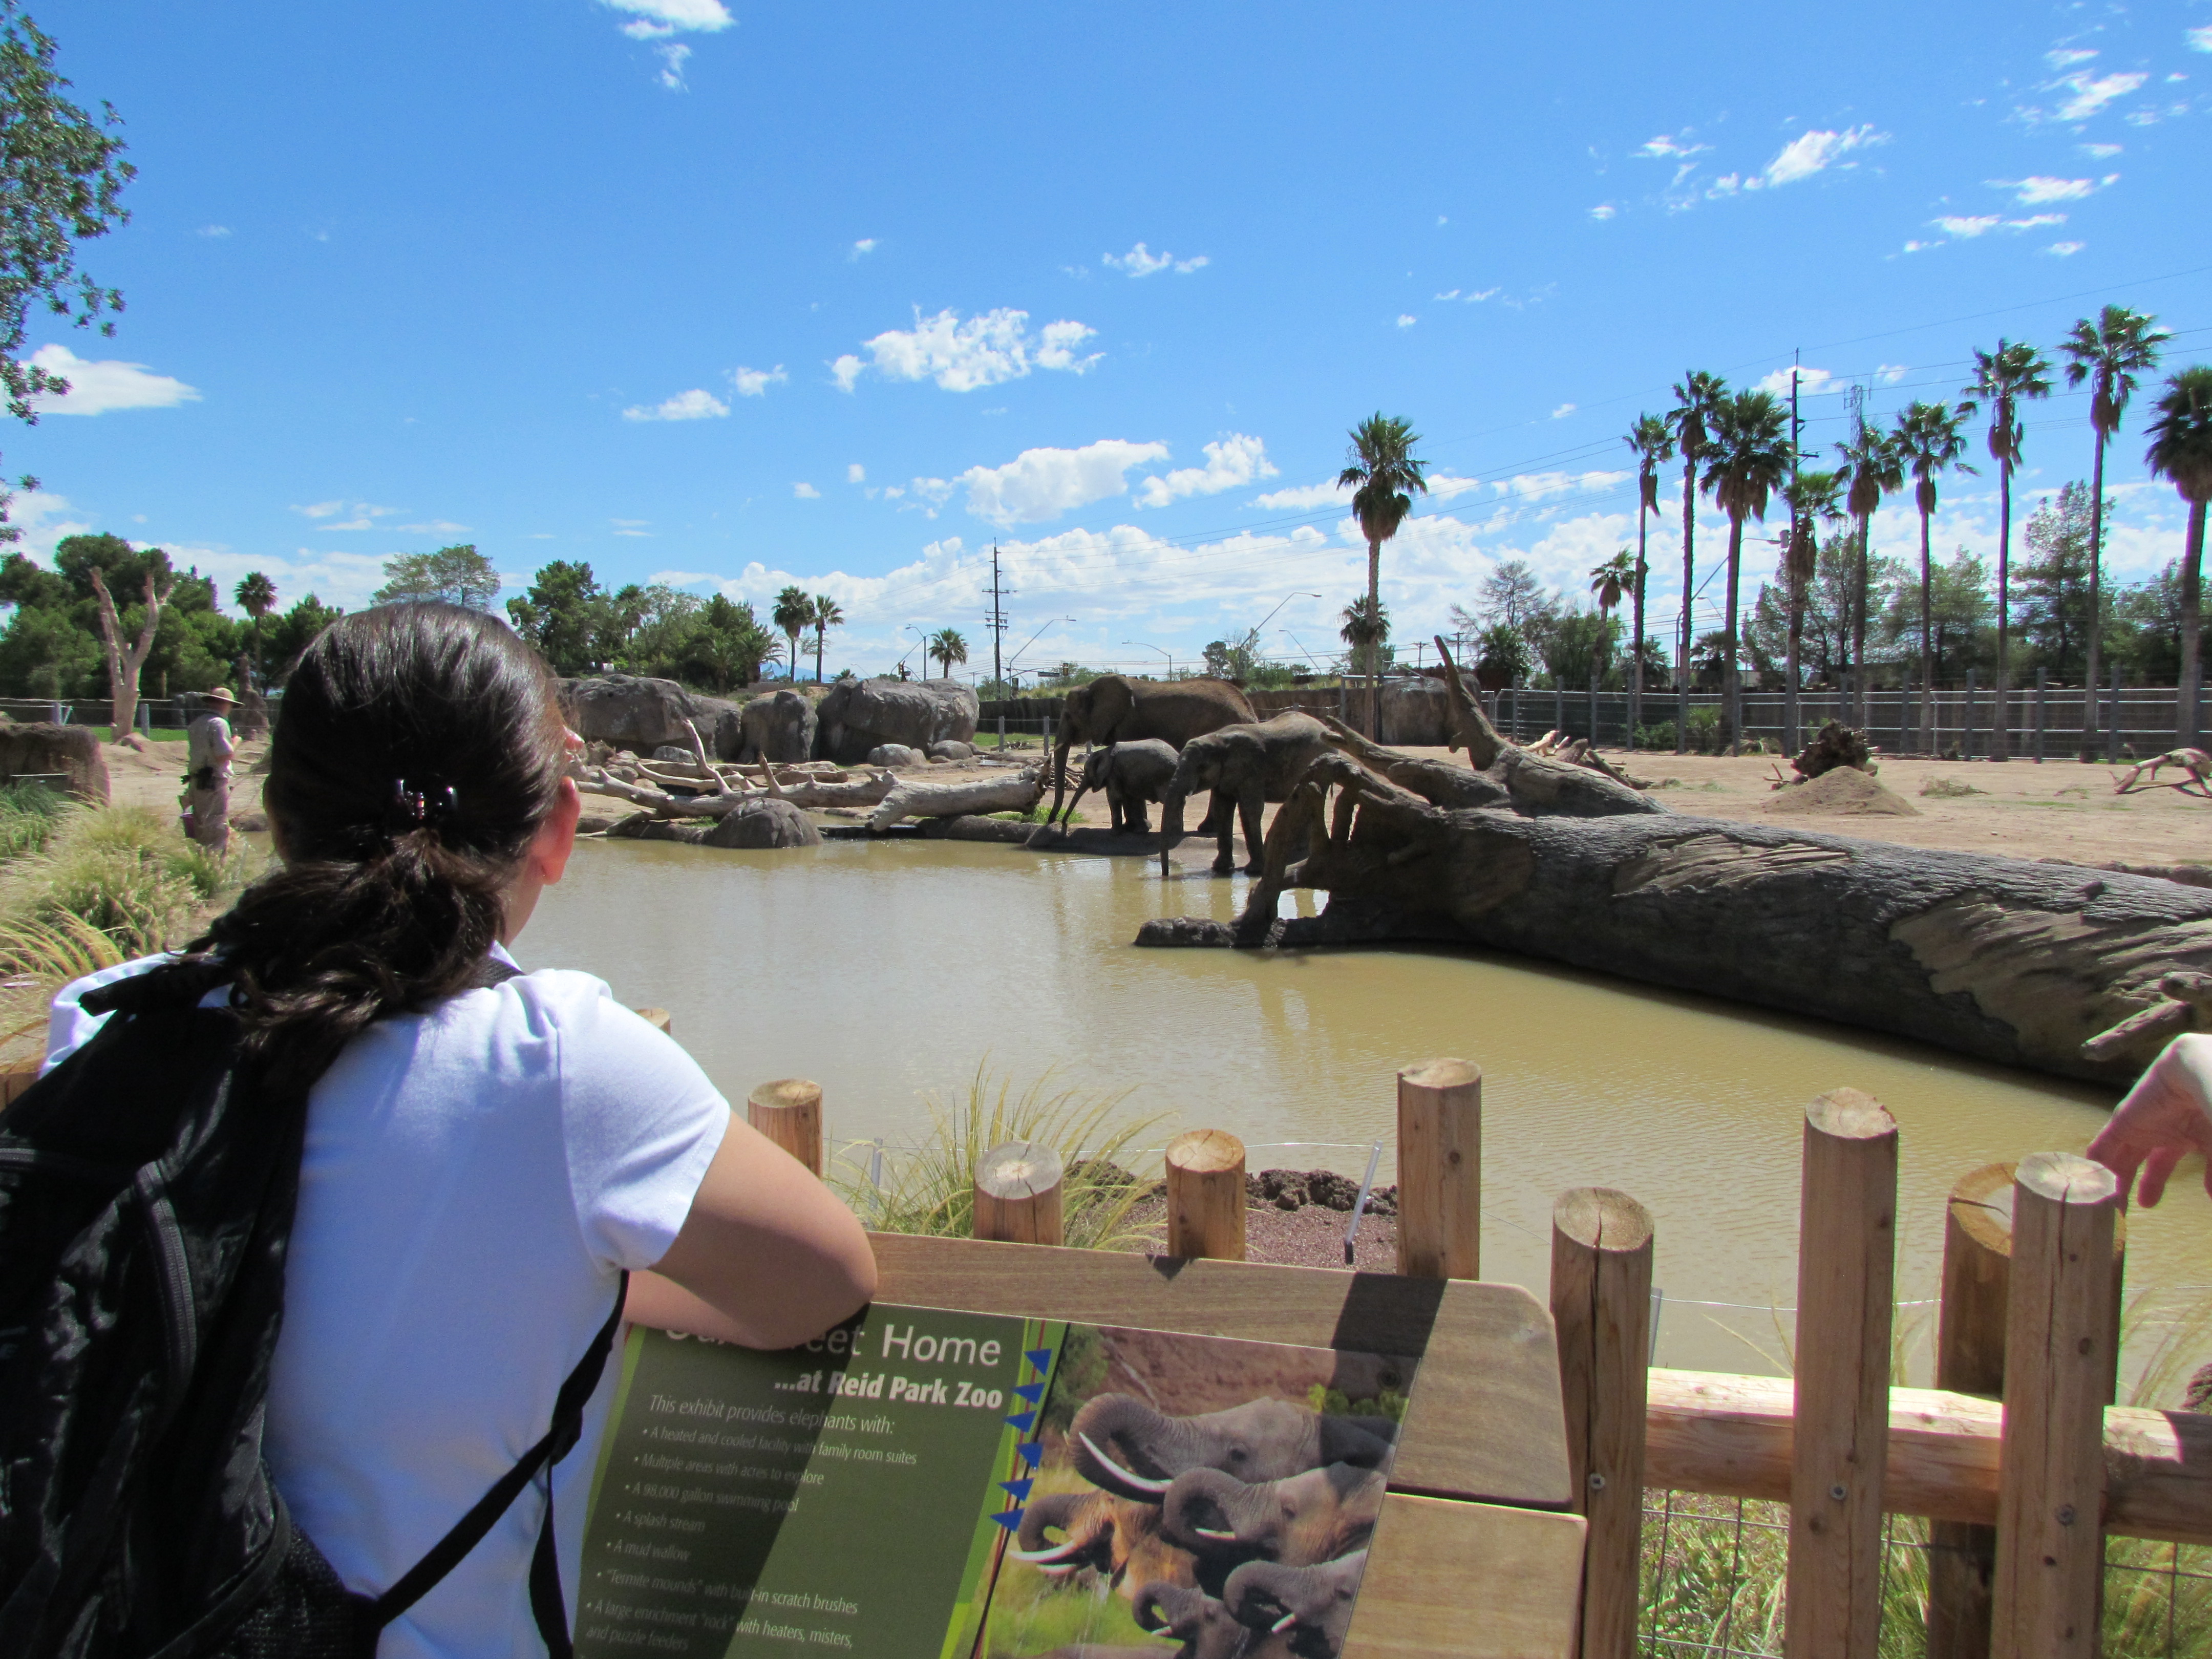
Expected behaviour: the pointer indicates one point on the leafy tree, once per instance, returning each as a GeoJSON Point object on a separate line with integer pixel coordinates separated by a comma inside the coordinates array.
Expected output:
{"type": "Point", "coordinates": [61, 177]}
{"type": "Point", "coordinates": [828, 614]}
{"type": "Point", "coordinates": [1930, 437]}
{"type": "Point", "coordinates": [1366, 630]}
{"type": "Point", "coordinates": [1748, 458]}
{"type": "Point", "coordinates": [2144, 620]}
{"type": "Point", "coordinates": [1651, 441]}
{"type": "Point", "coordinates": [1512, 594]}
{"type": "Point", "coordinates": [458, 575]}
{"type": "Point", "coordinates": [1872, 468]}
{"type": "Point", "coordinates": [2054, 580]}
{"type": "Point", "coordinates": [1815, 497]}
{"type": "Point", "coordinates": [2004, 378]}
{"type": "Point", "coordinates": [1383, 475]}
{"type": "Point", "coordinates": [728, 646]}
{"type": "Point", "coordinates": [1581, 642]}
{"type": "Point", "coordinates": [792, 615]}
{"type": "Point", "coordinates": [1502, 655]}
{"type": "Point", "coordinates": [946, 647]}
{"type": "Point", "coordinates": [2181, 451]}
{"type": "Point", "coordinates": [1952, 602]}
{"type": "Point", "coordinates": [1697, 396]}
{"type": "Point", "coordinates": [560, 615]}
{"type": "Point", "coordinates": [2108, 353]}
{"type": "Point", "coordinates": [288, 636]}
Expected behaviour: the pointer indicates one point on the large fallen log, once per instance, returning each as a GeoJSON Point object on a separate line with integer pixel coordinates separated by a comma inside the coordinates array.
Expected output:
{"type": "Point", "coordinates": [862, 792]}
{"type": "Point", "coordinates": [1732, 1437]}
{"type": "Point", "coordinates": [2008, 961]}
{"type": "Point", "coordinates": [1018, 793]}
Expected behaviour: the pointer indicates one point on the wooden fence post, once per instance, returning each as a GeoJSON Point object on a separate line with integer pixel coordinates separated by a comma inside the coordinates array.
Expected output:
{"type": "Point", "coordinates": [1206, 1194]}
{"type": "Point", "coordinates": [1017, 1194]}
{"type": "Point", "coordinates": [1601, 1305]}
{"type": "Point", "coordinates": [2048, 1586]}
{"type": "Point", "coordinates": [1846, 1275]}
{"type": "Point", "coordinates": [1440, 1170]}
{"type": "Point", "coordinates": [789, 1112]}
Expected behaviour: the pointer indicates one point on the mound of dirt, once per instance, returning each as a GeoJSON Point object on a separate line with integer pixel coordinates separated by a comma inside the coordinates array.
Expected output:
{"type": "Point", "coordinates": [1842, 792]}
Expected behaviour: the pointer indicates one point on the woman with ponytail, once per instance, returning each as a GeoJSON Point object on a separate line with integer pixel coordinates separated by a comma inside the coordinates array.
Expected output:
{"type": "Point", "coordinates": [486, 1151]}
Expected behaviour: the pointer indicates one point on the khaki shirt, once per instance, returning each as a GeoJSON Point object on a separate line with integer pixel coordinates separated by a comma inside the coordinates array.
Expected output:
{"type": "Point", "coordinates": [208, 744]}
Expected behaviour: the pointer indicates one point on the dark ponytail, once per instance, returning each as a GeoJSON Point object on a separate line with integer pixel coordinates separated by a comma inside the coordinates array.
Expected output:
{"type": "Point", "coordinates": [418, 748]}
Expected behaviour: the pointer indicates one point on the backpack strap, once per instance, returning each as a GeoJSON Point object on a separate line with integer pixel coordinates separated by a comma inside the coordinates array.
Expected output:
{"type": "Point", "coordinates": [568, 1427]}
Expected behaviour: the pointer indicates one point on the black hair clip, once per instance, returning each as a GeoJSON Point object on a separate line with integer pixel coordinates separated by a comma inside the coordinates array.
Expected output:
{"type": "Point", "coordinates": [413, 808]}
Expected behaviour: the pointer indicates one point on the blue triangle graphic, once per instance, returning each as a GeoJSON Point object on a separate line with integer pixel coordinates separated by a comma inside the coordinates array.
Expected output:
{"type": "Point", "coordinates": [1040, 1357]}
{"type": "Point", "coordinates": [1024, 1421]}
{"type": "Point", "coordinates": [1031, 1392]}
{"type": "Point", "coordinates": [1009, 1520]}
{"type": "Point", "coordinates": [1032, 1452]}
{"type": "Point", "coordinates": [1018, 1489]}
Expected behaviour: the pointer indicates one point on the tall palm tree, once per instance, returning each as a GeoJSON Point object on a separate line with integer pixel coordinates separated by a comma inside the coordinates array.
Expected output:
{"type": "Point", "coordinates": [792, 615]}
{"type": "Point", "coordinates": [2109, 354]}
{"type": "Point", "coordinates": [946, 647]}
{"type": "Point", "coordinates": [828, 614]}
{"type": "Point", "coordinates": [1696, 394]}
{"type": "Point", "coordinates": [1612, 582]}
{"type": "Point", "coordinates": [1815, 498]}
{"type": "Point", "coordinates": [1930, 437]}
{"type": "Point", "coordinates": [1651, 442]}
{"type": "Point", "coordinates": [256, 595]}
{"type": "Point", "coordinates": [2004, 378]}
{"type": "Point", "coordinates": [1871, 469]}
{"type": "Point", "coordinates": [1383, 473]}
{"type": "Point", "coordinates": [1367, 628]}
{"type": "Point", "coordinates": [2181, 449]}
{"type": "Point", "coordinates": [1749, 457]}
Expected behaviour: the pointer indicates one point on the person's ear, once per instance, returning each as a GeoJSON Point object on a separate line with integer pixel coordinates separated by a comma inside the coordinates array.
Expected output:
{"type": "Point", "coordinates": [548, 857]}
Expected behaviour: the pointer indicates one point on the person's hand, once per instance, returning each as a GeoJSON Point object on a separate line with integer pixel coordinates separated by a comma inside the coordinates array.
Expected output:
{"type": "Point", "coordinates": [2165, 1117]}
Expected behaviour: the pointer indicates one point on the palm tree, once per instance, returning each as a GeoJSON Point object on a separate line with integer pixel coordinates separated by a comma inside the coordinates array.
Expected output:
{"type": "Point", "coordinates": [256, 595]}
{"type": "Point", "coordinates": [2004, 379]}
{"type": "Point", "coordinates": [1696, 396]}
{"type": "Point", "coordinates": [1366, 629]}
{"type": "Point", "coordinates": [1612, 581]}
{"type": "Point", "coordinates": [792, 615]}
{"type": "Point", "coordinates": [1871, 469]}
{"type": "Point", "coordinates": [828, 614]}
{"type": "Point", "coordinates": [1930, 437]}
{"type": "Point", "coordinates": [1383, 473]}
{"type": "Point", "coordinates": [1814, 498]}
{"type": "Point", "coordinates": [2181, 449]}
{"type": "Point", "coordinates": [1651, 442]}
{"type": "Point", "coordinates": [1750, 458]}
{"type": "Point", "coordinates": [946, 647]}
{"type": "Point", "coordinates": [2109, 354]}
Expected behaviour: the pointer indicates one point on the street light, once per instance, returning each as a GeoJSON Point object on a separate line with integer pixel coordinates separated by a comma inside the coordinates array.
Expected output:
{"type": "Point", "coordinates": [1142, 645]}
{"type": "Point", "coordinates": [920, 638]}
{"type": "Point", "coordinates": [1294, 640]}
{"type": "Point", "coordinates": [1270, 617]}
{"type": "Point", "coordinates": [1030, 641]}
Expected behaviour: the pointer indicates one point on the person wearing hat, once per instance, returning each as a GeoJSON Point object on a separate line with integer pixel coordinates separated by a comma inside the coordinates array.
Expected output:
{"type": "Point", "coordinates": [208, 751]}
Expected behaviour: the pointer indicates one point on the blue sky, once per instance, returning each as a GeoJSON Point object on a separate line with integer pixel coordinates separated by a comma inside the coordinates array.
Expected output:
{"type": "Point", "coordinates": [732, 295]}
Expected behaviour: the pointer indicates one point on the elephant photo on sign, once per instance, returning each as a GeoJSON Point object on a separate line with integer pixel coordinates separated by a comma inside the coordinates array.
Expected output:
{"type": "Point", "coordinates": [1218, 1494]}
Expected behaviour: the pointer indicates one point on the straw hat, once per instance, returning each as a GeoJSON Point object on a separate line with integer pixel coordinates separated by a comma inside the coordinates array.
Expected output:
{"type": "Point", "coordinates": [219, 694]}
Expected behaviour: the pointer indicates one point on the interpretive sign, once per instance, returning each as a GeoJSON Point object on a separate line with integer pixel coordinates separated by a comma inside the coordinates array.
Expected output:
{"type": "Point", "coordinates": [921, 1483]}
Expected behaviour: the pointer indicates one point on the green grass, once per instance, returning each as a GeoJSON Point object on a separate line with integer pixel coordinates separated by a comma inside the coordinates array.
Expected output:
{"type": "Point", "coordinates": [159, 734]}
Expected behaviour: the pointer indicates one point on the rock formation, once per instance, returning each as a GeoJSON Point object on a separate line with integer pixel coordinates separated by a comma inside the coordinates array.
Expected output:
{"type": "Point", "coordinates": [779, 727]}
{"type": "Point", "coordinates": [859, 714]}
{"type": "Point", "coordinates": [41, 748]}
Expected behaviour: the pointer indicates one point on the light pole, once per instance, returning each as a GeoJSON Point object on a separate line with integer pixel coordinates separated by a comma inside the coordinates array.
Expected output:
{"type": "Point", "coordinates": [1270, 617]}
{"type": "Point", "coordinates": [921, 638]}
{"type": "Point", "coordinates": [1294, 640]}
{"type": "Point", "coordinates": [1142, 645]}
{"type": "Point", "coordinates": [1031, 641]}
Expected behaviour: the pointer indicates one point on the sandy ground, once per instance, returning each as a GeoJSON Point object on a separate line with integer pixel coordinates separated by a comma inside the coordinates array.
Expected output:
{"type": "Point", "coordinates": [155, 776]}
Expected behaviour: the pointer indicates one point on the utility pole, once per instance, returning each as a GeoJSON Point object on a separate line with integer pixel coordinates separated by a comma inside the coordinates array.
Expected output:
{"type": "Point", "coordinates": [1795, 555]}
{"type": "Point", "coordinates": [996, 621]}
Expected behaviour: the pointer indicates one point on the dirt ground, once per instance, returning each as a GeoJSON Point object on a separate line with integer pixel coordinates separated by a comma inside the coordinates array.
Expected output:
{"type": "Point", "coordinates": [155, 776]}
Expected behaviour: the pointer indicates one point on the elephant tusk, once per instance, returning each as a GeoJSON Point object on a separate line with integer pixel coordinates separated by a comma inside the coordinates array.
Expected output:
{"type": "Point", "coordinates": [1142, 1483]}
{"type": "Point", "coordinates": [1057, 1553]}
{"type": "Point", "coordinates": [1213, 1531]}
{"type": "Point", "coordinates": [1283, 1624]}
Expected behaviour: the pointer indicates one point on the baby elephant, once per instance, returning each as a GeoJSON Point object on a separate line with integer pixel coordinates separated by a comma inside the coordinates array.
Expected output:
{"type": "Point", "coordinates": [1131, 773]}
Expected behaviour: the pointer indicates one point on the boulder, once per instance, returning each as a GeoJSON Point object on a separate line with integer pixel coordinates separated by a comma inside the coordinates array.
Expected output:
{"type": "Point", "coordinates": [761, 823]}
{"type": "Point", "coordinates": [680, 752]}
{"type": "Point", "coordinates": [627, 711]}
{"type": "Point", "coordinates": [778, 727]}
{"type": "Point", "coordinates": [858, 716]}
{"type": "Point", "coordinates": [645, 826]}
{"type": "Point", "coordinates": [950, 748]}
{"type": "Point", "coordinates": [895, 754]}
{"type": "Point", "coordinates": [1415, 713]}
{"type": "Point", "coordinates": [41, 748]}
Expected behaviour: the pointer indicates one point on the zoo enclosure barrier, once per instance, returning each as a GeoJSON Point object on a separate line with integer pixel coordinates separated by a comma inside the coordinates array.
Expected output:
{"type": "Point", "coordinates": [154, 714]}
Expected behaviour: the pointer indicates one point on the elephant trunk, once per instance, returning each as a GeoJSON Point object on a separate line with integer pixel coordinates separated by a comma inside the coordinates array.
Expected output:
{"type": "Point", "coordinates": [1363, 1442]}
{"type": "Point", "coordinates": [1212, 1512]}
{"type": "Point", "coordinates": [1265, 1596]}
{"type": "Point", "coordinates": [1054, 1509]}
{"type": "Point", "coordinates": [1124, 1446]}
{"type": "Point", "coordinates": [1172, 799]}
{"type": "Point", "coordinates": [1063, 740]}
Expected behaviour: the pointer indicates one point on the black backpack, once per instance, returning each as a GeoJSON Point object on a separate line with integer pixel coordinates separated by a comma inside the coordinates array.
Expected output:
{"type": "Point", "coordinates": [146, 1202]}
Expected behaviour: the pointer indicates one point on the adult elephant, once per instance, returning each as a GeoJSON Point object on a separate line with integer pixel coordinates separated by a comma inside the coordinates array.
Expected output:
{"type": "Point", "coordinates": [1113, 1537]}
{"type": "Point", "coordinates": [1245, 765]}
{"type": "Point", "coordinates": [1297, 1521]}
{"type": "Point", "coordinates": [1113, 709]}
{"type": "Point", "coordinates": [1311, 1605]}
{"type": "Point", "coordinates": [1121, 1444]}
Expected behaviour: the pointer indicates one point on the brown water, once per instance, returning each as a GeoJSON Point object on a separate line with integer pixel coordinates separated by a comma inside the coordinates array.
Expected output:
{"type": "Point", "coordinates": [888, 970]}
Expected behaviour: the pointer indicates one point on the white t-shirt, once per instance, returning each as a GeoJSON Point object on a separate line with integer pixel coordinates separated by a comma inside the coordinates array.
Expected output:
{"type": "Point", "coordinates": [474, 1180]}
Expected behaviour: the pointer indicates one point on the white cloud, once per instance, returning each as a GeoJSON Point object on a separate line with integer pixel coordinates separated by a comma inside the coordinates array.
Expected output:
{"type": "Point", "coordinates": [364, 516]}
{"type": "Point", "coordinates": [652, 19]}
{"type": "Point", "coordinates": [1811, 382]}
{"type": "Point", "coordinates": [1300, 498]}
{"type": "Point", "coordinates": [1955, 225]}
{"type": "Point", "coordinates": [320, 509]}
{"type": "Point", "coordinates": [434, 528]}
{"type": "Point", "coordinates": [1665, 147]}
{"type": "Point", "coordinates": [1040, 484]}
{"type": "Point", "coordinates": [2035, 221]}
{"type": "Point", "coordinates": [856, 473]}
{"type": "Point", "coordinates": [1140, 261]}
{"type": "Point", "coordinates": [1563, 411]}
{"type": "Point", "coordinates": [697, 405]}
{"type": "Point", "coordinates": [630, 527]}
{"type": "Point", "coordinates": [2065, 250]}
{"type": "Point", "coordinates": [862, 248]}
{"type": "Point", "coordinates": [2090, 96]}
{"type": "Point", "coordinates": [213, 230]}
{"type": "Point", "coordinates": [1815, 152]}
{"type": "Point", "coordinates": [755, 382]}
{"type": "Point", "coordinates": [2102, 152]}
{"type": "Point", "coordinates": [1230, 463]}
{"type": "Point", "coordinates": [962, 356]}
{"type": "Point", "coordinates": [1407, 320]}
{"type": "Point", "coordinates": [1603, 211]}
{"type": "Point", "coordinates": [2040, 188]}
{"type": "Point", "coordinates": [673, 58]}
{"type": "Point", "coordinates": [1540, 486]}
{"type": "Point", "coordinates": [806, 492]}
{"type": "Point", "coordinates": [96, 387]}
{"type": "Point", "coordinates": [2067, 57]}
{"type": "Point", "coordinates": [2200, 39]}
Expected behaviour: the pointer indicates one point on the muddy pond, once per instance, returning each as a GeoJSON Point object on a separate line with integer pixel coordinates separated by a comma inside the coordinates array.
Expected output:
{"type": "Point", "coordinates": [888, 970]}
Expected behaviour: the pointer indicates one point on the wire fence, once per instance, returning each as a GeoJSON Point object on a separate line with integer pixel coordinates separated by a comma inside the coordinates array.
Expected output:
{"type": "Point", "coordinates": [1713, 1572]}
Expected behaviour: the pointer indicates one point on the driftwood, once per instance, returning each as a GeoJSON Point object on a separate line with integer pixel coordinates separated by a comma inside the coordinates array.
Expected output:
{"type": "Point", "coordinates": [727, 794]}
{"type": "Point", "coordinates": [2006, 960]}
{"type": "Point", "coordinates": [1018, 793]}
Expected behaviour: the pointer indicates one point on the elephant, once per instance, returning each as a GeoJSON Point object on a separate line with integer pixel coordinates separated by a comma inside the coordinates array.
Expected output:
{"type": "Point", "coordinates": [1247, 764]}
{"type": "Point", "coordinates": [1311, 1605]}
{"type": "Point", "coordinates": [1297, 1520]}
{"type": "Point", "coordinates": [1131, 773]}
{"type": "Point", "coordinates": [1117, 1538]}
{"type": "Point", "coordinates": [1122, 1445]}
{"type": "Point", "coordinates": [1113, 709]}
{"type": "Point", "coordinates": [1205, 1626]}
